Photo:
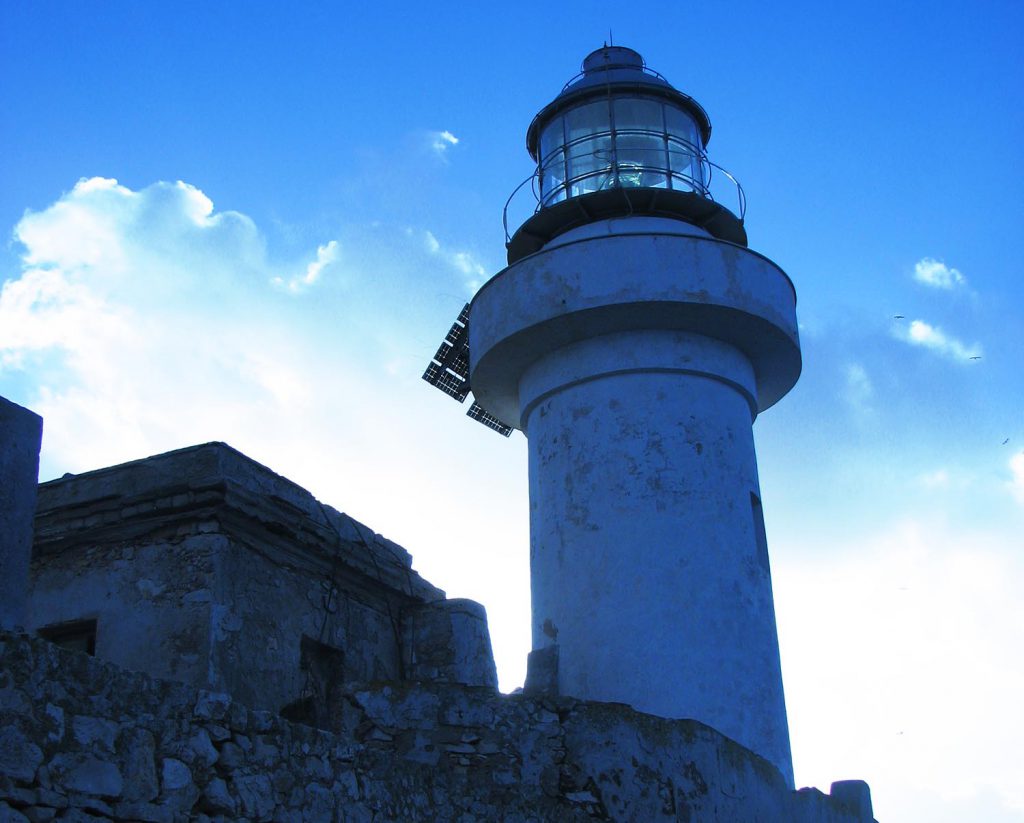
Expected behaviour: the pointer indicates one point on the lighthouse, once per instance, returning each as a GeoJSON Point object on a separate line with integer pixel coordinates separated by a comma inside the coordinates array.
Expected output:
{"type": "Point", "coordinates": [633, 338]}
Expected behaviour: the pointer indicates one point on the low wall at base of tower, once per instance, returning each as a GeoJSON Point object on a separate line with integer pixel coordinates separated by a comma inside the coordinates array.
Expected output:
{"type": "Point", "coordinates": [84, 740]}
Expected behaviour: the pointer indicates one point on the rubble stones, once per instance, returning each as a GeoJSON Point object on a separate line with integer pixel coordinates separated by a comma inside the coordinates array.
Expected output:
{"type": "Point", "coordinates": [175, 775]}
{"type": "Point", "coordinates": [19, 756]}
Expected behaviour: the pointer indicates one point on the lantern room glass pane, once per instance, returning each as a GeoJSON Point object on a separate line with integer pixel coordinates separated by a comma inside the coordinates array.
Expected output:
{"type": "Point", "coordinates": [679, 124]}
{"type": "Point", "coordinates": [552, 177]}
{"type": "Point", "coordinates": [588, 148]}
{"type": "Point", "coordinates": [590, 165]}
{"type": "Point", "coordinates": [633, 113]}
{"type": "Point", "coordinates": [553, 137]}
{"type": "Point", "coordinates": [687, 169]}
{"type": "Point", "coordinates": [587, 120]}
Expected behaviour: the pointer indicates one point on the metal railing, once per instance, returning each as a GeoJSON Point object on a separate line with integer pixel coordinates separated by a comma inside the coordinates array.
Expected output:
{"type": "Point", "coordinates": [623, 67]}
{"type": "Point", "coordinates": [722, 188]}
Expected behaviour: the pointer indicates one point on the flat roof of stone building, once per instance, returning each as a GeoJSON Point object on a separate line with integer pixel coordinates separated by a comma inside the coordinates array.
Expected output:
{"type": "Point", "coordinates": [213, 487]}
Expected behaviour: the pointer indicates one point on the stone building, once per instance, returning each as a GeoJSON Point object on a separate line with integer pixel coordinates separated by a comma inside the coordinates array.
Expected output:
{"type": "Point", "coordinates": [205, 567]}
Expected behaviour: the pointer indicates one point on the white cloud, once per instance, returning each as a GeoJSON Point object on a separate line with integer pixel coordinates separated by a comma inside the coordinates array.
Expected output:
{"type": "Point", "coordinates": [920, 333]}
{"type": "Point", "coordinates": [1017, 474]}
{"type": "Point", "coordinates": [441, 141]}
{"type": "Point", "coordinates": [141, 318]}
{"type": "Point", "coordinates": [325, 255]}
{"type": "Point", "coordinates": [937, 274]}
{"type": "Point", "coordinates": [43, 309]}
{"type": "Point", "coordinates": [75, 232]}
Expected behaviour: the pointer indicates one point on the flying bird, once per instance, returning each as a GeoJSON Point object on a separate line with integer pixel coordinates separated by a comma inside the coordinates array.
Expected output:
{"type": "Point", "coordinates": [1007, 440]}
{"type": "Point", "coordinates": [897, 317]}
{"type": "Point", "coordinates": [975, 357]}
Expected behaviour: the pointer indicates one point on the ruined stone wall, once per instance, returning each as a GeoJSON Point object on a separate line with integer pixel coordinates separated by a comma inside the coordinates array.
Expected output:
{"type": "Point", "coordinates": [203, 566]}
{"type": "Point", "coordinates": [82, 740]}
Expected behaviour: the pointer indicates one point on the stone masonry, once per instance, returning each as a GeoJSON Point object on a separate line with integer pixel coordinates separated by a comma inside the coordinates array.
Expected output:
{"type": "Point", "coordinates": [82, 740]}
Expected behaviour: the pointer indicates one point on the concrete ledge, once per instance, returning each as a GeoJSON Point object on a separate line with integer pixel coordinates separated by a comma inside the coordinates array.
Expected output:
{"type": "Point", "coordinates": [620, 283]}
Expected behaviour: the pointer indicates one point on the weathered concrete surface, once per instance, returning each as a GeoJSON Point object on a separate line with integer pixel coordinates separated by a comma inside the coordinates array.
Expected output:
{"type": "Point", "coordinates": [21, 433]}
{"type": "Point", "coordinates": [648, 570]}
{"type": "Point", "coordinates": [203, 566]}
{"type": "Point", "coordinates": [82, 740]}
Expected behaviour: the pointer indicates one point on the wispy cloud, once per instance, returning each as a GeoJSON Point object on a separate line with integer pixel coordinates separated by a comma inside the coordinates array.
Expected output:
{"type": "Point", "coordinates": [920, 333]}
{"type": "Point", "coordinates": [463, 262]}
{"type": "Point", "coordinates": [938, 479]}
{"type": "Point", "coordinates": [945, 479]}
{"type": "Point", "coordinates": [1017, 477]}
{"type": "Point", "coordinates": [325, 255]}
{"type": "Point", "coordinates": [441, 141]}
{"type": "Point", "coordinates": [859, 388]}
{"type": "Point", "coordinates": [937, 274]}
{"type": "Point", "coordinates": [432, 244]}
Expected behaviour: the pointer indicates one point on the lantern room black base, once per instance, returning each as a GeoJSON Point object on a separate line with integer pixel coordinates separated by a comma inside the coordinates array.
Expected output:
{"type": "Point", "coordinates": [551, 221]}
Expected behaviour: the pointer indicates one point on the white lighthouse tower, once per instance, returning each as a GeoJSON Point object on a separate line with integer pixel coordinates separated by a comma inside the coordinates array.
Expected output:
{"type": "Point", "coordinates": [633, 339]}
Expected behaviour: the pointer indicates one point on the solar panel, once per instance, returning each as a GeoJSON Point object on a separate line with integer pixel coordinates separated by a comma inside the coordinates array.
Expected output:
{"type": "Point", "coordinates": [450, 384]}
{"type": "Point", "coordinates": [448, 370]}
{"type": "Point", "coordinates": [481, 415]}
{"type": "Point", "coordinates": [459, 363]}
{"type": "Point", "coordinates": [457, 335]}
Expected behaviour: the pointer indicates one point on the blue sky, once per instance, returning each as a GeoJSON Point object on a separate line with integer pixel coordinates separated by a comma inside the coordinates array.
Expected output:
{"type": "Point", "coordinates": [305, 198]}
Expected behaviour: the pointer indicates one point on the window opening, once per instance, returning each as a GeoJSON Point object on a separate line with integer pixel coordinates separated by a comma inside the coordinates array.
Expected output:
{"type": "Point", "coordinates": [75, 635]}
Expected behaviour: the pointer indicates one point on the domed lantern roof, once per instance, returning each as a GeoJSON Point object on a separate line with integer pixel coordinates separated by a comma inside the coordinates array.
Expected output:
{"type": "Point", "coordinates": [620, 139]}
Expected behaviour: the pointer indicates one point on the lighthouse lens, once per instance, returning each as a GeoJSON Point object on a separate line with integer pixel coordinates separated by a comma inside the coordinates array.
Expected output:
{"type": "Point", "coordinates": [641, 161]}
{"type": "Point", "coordinates": [627, 141]}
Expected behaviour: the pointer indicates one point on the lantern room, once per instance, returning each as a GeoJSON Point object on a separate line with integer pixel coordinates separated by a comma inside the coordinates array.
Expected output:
{"type": "Point", "coordinates": [621, 140]}
{"type": "Point", "coordinates": [618, 125]}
